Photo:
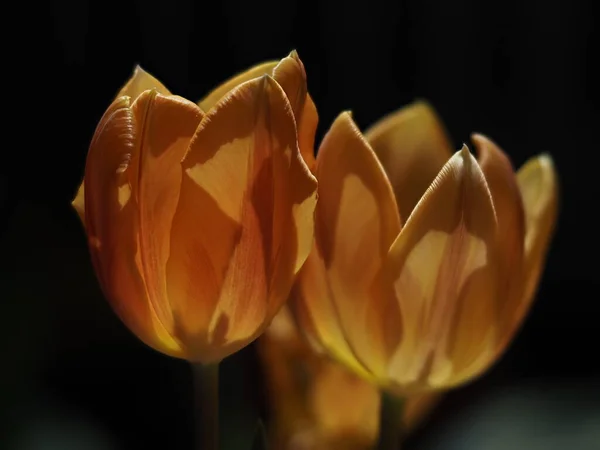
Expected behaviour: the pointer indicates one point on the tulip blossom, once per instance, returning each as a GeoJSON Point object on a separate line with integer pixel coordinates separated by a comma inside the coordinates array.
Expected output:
{"type": "Point", "coordinates": [425, 262]}
{"type": "Point", "coordinates": [317, 404]}
{"type": "Point", "coordinates": [199, 217]}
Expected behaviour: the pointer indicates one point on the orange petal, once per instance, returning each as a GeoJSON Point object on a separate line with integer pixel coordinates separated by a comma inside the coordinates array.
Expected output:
{"type": "Point", "coordinates": [112, 223]}
{"type": "Point", "coordinates": [139, 82]}
{"type": "Point", "coordinates": [443, 267]}
{"type": "Point", "coordinates": [261, 198]}
{"type": "Point", "coordinates": [223, 89]}
{"type": "Point", "coordinates": [357, 220]}
{"type": "Point", "coordinates": [165, 126]}
{"type": "Point", "coordinates": [291, 76]}
{"type": "Point", "coordinates": [412, 145]}
{"type": "Point", "coordinates": [538, 184]}
{"type": "Point", "coordinates": [307, 127]}
{"type": "Point", "coordinates": [500, 176]}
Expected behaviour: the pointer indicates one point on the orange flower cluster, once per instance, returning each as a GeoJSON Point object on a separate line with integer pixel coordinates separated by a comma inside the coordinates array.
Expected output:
{"type": "Point", "coordinates": [409, 263]}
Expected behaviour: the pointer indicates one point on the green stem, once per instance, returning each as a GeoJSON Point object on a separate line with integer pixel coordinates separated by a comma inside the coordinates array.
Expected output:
{"type": "Point", "coordinates": [206, 404]}
{"type": "Point", "coordinates": [390, 418]}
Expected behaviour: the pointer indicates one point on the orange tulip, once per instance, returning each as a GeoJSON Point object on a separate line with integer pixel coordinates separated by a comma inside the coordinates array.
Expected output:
{"type": "Point", "coordinates": [425, 263]}
{"type": "Point", "coordinates": [315, 403]}
{"type": "Point", "coordinates": [199, 217]}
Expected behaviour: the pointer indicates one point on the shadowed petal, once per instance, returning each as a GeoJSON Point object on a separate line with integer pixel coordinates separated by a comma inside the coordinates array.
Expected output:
{"type": "Point", "coordinates": [223, 89]}
{"type": "Point", "coordinates": [501, 180]}
{"type": "Point", "coordinates": [291, 76]}
{"type": "Point", "coordinates": [139, 82]}
{"type": "Point", "coordinates": [412, 146]}
{"type": "Point", "coordinates": [111, 224]}
{"type": "Point", "coordinates": [538, 184]}
{"type": "Point", "coordinates": [165, 126]}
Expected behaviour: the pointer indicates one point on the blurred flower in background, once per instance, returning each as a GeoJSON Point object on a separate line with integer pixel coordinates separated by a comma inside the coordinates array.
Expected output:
{"type": "Point", "coordinates": [425, 263]}
{"type": "Point", "coordinates": [199, 217]}
{"type": "Point", "coordinates": [316, 403]}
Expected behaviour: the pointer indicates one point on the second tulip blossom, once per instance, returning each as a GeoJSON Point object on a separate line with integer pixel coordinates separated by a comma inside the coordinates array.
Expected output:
{"type": "Point", "coordinates": [425, 262]}
{"type": "Point", "coordinates": [199, 216]}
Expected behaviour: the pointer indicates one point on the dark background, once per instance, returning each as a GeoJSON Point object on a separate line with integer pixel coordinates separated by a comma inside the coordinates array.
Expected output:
{"type": "Point", "coordinates": [523, 72]}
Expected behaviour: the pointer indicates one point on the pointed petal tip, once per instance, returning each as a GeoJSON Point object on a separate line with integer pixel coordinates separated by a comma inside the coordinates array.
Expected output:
{"type": "Point", "coordinates": [465, 153]}
{"type": "Point", "coordinates": [546, 160]}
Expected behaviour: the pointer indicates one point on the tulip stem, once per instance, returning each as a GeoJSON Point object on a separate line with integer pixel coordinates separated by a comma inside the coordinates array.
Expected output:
{"type": "Point", "coordinates": [390, 420]}
{"type": "Point", "coordinates": [206, 404]}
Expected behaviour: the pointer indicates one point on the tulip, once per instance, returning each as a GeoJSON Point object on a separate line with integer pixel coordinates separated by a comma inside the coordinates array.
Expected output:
{"type": "Point", "coordinates": [199, 217]}
{"type": "Point", "coordinates": [425, 262]}
{"type": "Point", "coordinates": [317, 404]}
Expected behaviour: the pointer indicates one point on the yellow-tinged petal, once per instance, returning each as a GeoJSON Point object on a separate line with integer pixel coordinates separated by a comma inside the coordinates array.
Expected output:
{"type": "Point", "coordinates": [501, 180]}
{"type": "Point", "coordinates": [112, 221]}
{"type": "Point", "coordinates": [257, 229]}
{"type": "Point", "coordinates": [317, 314]}
{"type": "Point", "coordinates": [79, 202]}
{"type": "Point", "coordinates": [412, 145]}
{"type": "Point", "coordinates": [538, 185]}
{"type": "Point", "coordinates": [443, 267]}
{"type": "Point", "coordinates": [357, 220]}
{"type": "Point", "coordinates": [139, 82]}
{"type": "Point", "coordinates": [164, 129]}
{"type": "Point", "coordinates": [223, 89]}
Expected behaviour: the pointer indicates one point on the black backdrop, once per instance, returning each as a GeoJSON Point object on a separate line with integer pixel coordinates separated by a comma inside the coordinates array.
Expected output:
{"type": "Point", "coordinates": [523, 72]}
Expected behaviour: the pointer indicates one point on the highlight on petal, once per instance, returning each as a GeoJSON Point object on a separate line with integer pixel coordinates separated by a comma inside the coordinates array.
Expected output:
{"type": "Point", "coordinates": [443, 267]}
{"type": "Point", "coordinates": [356, 222]}
{"type": "Point", "coordinates": [139, 82]}
{"type": "Point", "coordinates": [223, 89]}
{"type": "Point", "coordinates": [538, 184]}
{"type": "Point", "coordinates": [79, 202]}
{"type": "Point", "coordinates": [112, 223]}
{"type": "Point", "coordinates": [501, 180]}
{"type": "Point", "coordinates": [412, 145]}
{"type": "Point", "coordinates": [249, 198]}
